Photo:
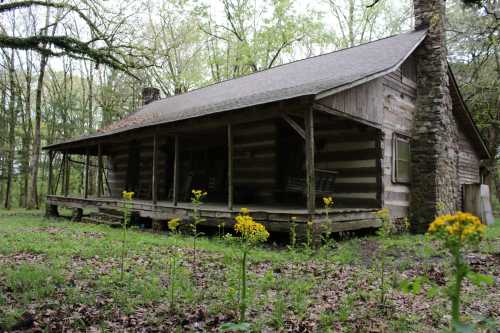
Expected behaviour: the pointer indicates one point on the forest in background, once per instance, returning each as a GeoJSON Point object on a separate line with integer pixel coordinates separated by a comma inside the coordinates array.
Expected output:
{"type": "Point", "coordinates": [69, 68]}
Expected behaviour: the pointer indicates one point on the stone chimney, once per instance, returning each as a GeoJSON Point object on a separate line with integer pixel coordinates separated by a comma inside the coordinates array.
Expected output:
{"type": "Point", "coordinates": [150, 94]}
{"type": "Point", "coordinates": [434, 146]}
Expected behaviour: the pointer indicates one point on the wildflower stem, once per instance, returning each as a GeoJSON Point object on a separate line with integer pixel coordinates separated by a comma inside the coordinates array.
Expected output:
{"type": "Point", "coordinates": [172, 280]}
{"type": "Point", "coordinates": [243, 302]}
{"type": "Point", "coordinates": [460, 272]}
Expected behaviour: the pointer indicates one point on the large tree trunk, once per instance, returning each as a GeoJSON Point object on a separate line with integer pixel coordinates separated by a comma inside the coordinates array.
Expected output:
{"type": "Point", "coordinates": [37, 140]}
{"type": "Point", "coordinates": [26, 141]}
{"type": "Point", "coordinates": [11, 136]}
{"type": "Point", "coordinates": [35, 156]}
{"type": "Point", "coordinates": [3, 129]}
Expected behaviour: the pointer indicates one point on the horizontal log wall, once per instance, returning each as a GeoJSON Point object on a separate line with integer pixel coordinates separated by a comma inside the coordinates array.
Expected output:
{"type": "Point", "coordinates": [399, 93]}
{"type": "Point", "coordinates": [118, 157]}
{"type": "Point", "coordinates": [468, 161]}
{"type": "Point", "coordinates": [254, 158]}
{"type": "Point", "coordinates": [351, 149]}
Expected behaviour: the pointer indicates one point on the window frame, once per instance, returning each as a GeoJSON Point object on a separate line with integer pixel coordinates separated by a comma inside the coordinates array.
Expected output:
{"type": "Point", "coordinates": [399, 137]}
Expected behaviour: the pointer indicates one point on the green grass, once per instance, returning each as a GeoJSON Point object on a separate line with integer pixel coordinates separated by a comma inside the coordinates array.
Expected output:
{"type": "Point", "coordinates": [66, 268]}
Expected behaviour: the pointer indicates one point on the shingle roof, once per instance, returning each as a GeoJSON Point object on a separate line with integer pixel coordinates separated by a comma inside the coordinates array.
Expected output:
{"type": "Point", "coordinates": [310, 76]}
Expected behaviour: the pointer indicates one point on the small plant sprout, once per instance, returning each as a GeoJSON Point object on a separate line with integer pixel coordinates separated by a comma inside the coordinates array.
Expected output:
{"type": "Point", "coordinates": [221, 227]}
{"type": "Point", "coordinates": [309, 234]}
{"type": "Point", "coordinates": [197, 201]}
{"type": "Point", "coordinates": [173, 224]}
{"type": "Point", "coordinates": [457, 232]}
{"type": "Point", "coordinates": [250, 233]}
{"type": "Point", "coordinates": [127, 206]}
{"type": "Point", "coordinates": [293, 232]}
{"type": "Point", "coordinates": [326, 233]}
{"type": "Point", "coordinates": [328, 204]}
{"type": "Point", "coordinates": [384, 232]}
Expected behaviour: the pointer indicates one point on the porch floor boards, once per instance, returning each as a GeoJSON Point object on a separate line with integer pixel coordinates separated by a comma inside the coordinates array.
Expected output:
{"type": "Point", "coordinates": [275, 217]}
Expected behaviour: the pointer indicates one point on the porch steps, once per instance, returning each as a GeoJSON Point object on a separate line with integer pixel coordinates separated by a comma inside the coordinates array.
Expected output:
{"type": "Point", "coordinates": [104, 217]}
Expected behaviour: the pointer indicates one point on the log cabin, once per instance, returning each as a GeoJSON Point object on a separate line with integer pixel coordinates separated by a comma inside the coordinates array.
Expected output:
{"type": "Point", "coordinates": [355, 124]}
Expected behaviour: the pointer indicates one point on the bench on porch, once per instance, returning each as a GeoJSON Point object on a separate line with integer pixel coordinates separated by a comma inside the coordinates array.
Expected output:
{"type": "Point", "coordinates": [324, 180]}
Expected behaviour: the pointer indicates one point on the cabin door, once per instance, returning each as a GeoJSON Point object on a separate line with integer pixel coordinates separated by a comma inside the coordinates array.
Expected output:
{"type": "Point", "coordinates": [134, 167]}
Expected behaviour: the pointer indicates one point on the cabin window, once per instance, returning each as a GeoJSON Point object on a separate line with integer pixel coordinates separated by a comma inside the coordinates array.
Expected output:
{"type": "Point", "coordinates": [401, 157]}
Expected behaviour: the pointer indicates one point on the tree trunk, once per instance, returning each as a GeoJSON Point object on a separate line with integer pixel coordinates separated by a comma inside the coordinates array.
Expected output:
{"type": "Point", "coordinates": [35, 156]}
{"type": "Point", "coordinates": [11, 136]}
{"type": "Point", "coordinates": [3, 129]}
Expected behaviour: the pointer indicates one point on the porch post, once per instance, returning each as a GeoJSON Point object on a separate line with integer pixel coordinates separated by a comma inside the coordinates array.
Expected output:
{"type": "Point", "coordinates": [49, 181]}
{"type": "Point", "coordinates": [99, 170]}
{"type": "Point", "coordinates": [154, 180]}
{"type": "Point", "coordinates": [67, 169]}
{"type": "Point", "coordinates": [309, 152]}
{"type": "Point", "coordinates": [229, 167]}
{"type": "Point", "coordinates": [86, 184]}
{"type": "Point", "coordinates": [175, 183]}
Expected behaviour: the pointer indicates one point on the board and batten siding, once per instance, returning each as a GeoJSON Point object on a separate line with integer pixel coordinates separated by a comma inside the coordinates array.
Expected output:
{"type": "Point", "coordinates": [399, 94]}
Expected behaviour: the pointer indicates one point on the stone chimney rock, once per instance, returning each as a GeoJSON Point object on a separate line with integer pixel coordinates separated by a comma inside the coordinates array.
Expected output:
{"type": "Point", "coordinates": [434, 146]}
{"type": "Point", "coordinates": [150, 94]}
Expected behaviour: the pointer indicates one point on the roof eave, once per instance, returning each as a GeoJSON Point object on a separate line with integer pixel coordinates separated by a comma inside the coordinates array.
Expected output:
{"type": "Point", "coordinates": [370, 77]}
{"type": "Point", "coordinates": [485, 153]}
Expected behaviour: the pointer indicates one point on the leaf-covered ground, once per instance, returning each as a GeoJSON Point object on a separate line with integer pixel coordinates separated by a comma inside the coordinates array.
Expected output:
{"type": "Point", "coordinates": [57, 275]}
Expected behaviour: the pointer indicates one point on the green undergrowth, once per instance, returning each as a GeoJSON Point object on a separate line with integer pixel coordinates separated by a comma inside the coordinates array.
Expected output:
{"type": "Point", "coordinates": [62, 269]}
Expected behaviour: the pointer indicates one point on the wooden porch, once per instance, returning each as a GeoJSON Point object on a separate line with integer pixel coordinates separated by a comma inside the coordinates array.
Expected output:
{"type": "Point", "coordinates": [275, 218]}
{"type": "Point", "coordinates": [277, 160]}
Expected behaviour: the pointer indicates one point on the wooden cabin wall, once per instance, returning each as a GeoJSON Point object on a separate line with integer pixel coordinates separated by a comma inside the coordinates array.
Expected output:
{"type": "Point", "coordinates": [352, 149]}
{"type": "Point", "coordinates": [254, 162]}
{"type": "Point", "coordinates": [468, 160]}
{"type": "Point", "coordinates": [363, 101]}
{"type": "Point", "coordinates": [399, 94]}
{"type": "Point", "coordinates": [118, 158]}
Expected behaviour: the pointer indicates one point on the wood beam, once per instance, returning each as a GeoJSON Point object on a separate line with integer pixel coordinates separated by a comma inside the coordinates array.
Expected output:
{"type": "Point", "coordinates": [175, 183]}
{"type": "Point", "coordinates": [309, 154]}
{"type": "Point", "coordinates": [294, 125]}
{"type": "Point", "coordinates": [49, 181]}
{"type": "Point", "coordinates": [154, 180]}
{"type": "Point", "coordinates": [329, 110]}
{"type": "Point", "coordinates": [67, 169]}
{"type": "Point", "coordinates": [86, 184]}
{"type": "Point", "coordinates": [99, 171]}
{"type": "Point", "coordinates": [229, 167]}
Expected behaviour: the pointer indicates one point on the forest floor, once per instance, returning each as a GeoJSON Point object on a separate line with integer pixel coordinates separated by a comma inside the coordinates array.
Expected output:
{"type": "Point", "coordinates": [57, 275]}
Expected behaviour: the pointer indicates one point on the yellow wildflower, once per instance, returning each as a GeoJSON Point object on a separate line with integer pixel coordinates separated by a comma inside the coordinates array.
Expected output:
{"type": "Point", "coordinates": [250, 230]}
{"type": "Point", "coordinates": [198, 194]}
{"type": "Point", "coordinates": [462, 226]}
{"type": "Point", "coordinates": [173, 224]}
{"type": "Point", "coordinates": [127, 195]}
{"type": "Point", "coordinates": [244, 211]}
{"type": "Point", "coordinates": [328, 201]}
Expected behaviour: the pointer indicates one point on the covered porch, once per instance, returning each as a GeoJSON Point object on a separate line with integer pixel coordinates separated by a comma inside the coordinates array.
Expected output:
{"type": "Point", "coordinates": [278, 160]}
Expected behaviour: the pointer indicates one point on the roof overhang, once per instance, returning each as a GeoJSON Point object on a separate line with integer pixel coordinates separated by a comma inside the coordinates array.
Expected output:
{"type": "Point", "coordinates": [370, 77]}
{"type": "Point", "coordinates": [463, 114]}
